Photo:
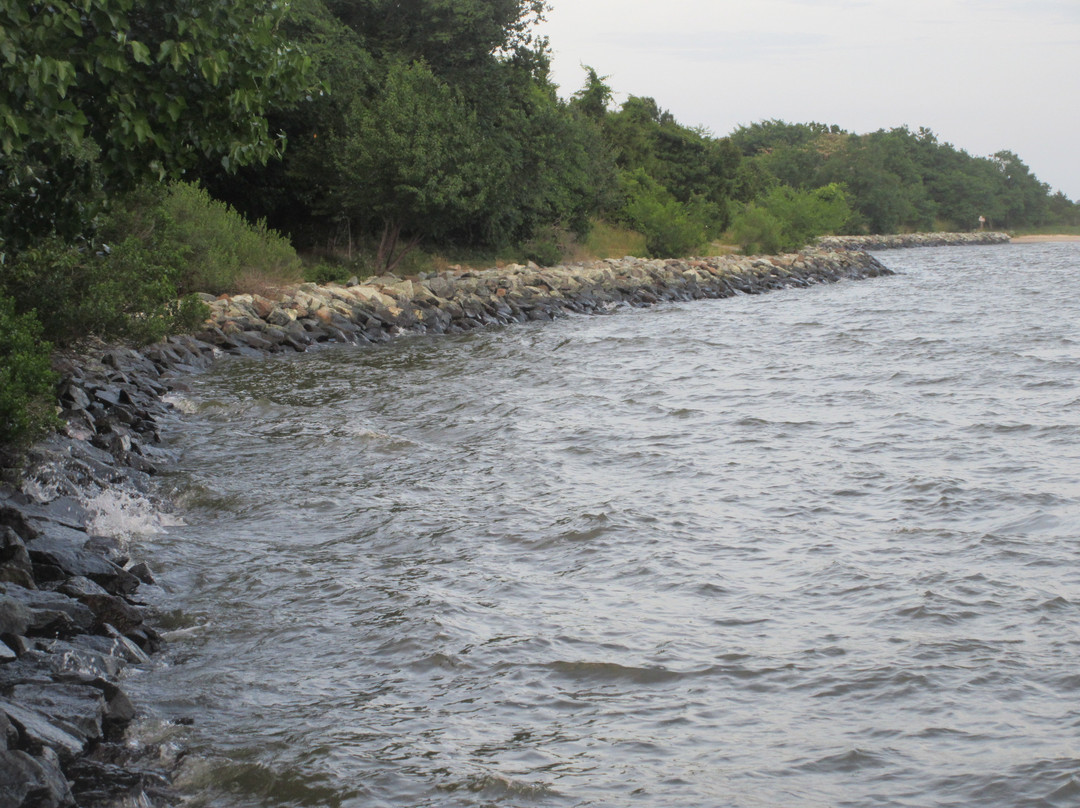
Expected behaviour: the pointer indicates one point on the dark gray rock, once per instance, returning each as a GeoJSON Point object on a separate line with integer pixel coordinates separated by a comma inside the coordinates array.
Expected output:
{"type": "Point", "coordinates": [77, 709]}
{"type": "Point", "coordinates": [37, 731]}
{"type": "Point", "coordinates": [115, 611]}
{"type": "Point", "coordinates": [64, 549]}
{"type": "Point", "coordinates": [143, 572]}
{"type": "Point", "coordinates": [78, 660]}
{"type": "Point", "coordinates": [29, 782]}
{"type": "Point", "coordinates": [52, 614]}
{"type": "Point", "coordinates": [123, 647]}
{"type": "Point", "coordinates": [15, 616]}
{"type": "Point", "coordinates": [14, 559]}
{"type": "Point", "coordinates": [77, 587]}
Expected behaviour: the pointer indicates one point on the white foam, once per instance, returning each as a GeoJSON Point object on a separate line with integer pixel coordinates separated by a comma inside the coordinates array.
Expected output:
{"type": "Point", "coordinates": [124, 515]}
{"type": "Point", "coordinates": [184, 405]}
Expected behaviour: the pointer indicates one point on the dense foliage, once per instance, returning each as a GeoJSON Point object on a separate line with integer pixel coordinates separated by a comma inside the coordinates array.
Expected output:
{"type": "Point", "coordinates": [362, 129]}
{"type": "Point", "coordinates": [25, 376]}
{"type": "Point", "coordinates": [98, 94]}
{"type": "Point", "coordinates": [904, 180]}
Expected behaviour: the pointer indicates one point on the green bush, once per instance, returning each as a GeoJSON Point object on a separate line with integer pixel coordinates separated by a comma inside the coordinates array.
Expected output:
{"type": "Point", "coordinates": [671, 228]}
{"type": "Point", "coordinates": [218, 249]}
{"type": "Point", "coordinates": [26, 378]}
{"type": "Point", "coordinates": [223, 247]}
{"type": "Point", "coordinates": [128, 292]}
{"type": "Point", "coordinates": [784, 219]}
{"type": "Point", "coordinates": [757, 231]}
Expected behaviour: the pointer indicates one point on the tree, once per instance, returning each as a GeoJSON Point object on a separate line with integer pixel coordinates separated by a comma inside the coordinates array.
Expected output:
{"type": "Point", "coordinates": [593, 99]}
{"type": "Point", "coordinates": [412, 161]}
{"type": "Point", "coordinates": [106, 92]}
{"type": "Point", "coordinates": [450, 36]}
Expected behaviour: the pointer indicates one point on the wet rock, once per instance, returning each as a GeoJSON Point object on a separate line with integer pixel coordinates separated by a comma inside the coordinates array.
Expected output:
{"type": "Point", "coordinates": [114, 611]}
{"type": "Point", "coordinates": [15, 616]}
{"type": "Point", "coordinates": [37, 731]}
{"type": "Point", "coordinates": [52, 614]}
{"type": "Point", "coordinates": [62, 549]}
{"type": "Point", "coordinates": [77, 709]}
{"type": "Point", "coordinates": [143, 572]}
{"type": "Point", "coordinates": [15, 565]}
{"type": "Point", "coordinates": [29, 782]}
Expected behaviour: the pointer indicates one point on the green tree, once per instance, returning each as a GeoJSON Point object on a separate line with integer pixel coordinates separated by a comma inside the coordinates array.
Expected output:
{"type": "Point", "coordinates": [26, 378]}
{"type": "Point", "coordinates": [451, 36]}
{"type": "Point", "coordinates": [110, 91]}
{"type": "Point", "coordinates": [412, 161]}
{"type": "Point", "coordinates": [593, 99]}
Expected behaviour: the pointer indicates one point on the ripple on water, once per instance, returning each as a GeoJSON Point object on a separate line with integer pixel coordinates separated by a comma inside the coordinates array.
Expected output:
{"type": "Point", "coordinates": [813, 548]}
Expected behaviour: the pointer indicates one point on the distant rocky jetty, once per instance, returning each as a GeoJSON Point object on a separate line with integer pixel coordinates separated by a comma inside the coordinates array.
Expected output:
{"type": "Point", "coordinates": [71, 617]}
{"type": "Point", "coordinates": [905, 240]}
{"type": "Point", "coordinates": [455, 301]}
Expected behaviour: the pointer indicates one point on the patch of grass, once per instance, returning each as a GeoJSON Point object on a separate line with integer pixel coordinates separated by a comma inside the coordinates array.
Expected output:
{"type": "Point", "coordinates": [606, 240]}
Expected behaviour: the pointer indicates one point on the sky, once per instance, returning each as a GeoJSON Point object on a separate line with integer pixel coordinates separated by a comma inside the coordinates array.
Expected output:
{"type": "Point", "coordinates": [985, 76]}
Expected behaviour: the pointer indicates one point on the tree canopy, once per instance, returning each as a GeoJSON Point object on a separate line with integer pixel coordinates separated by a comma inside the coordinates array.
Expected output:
{"type": "Point", "coordinates": [101, 93]}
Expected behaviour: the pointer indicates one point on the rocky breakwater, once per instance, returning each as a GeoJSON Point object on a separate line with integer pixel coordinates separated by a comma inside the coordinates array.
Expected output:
{"type": "Point", "coordinates": [73, 602]}
{"type": "Point", "coordinates": [72, 613]}
{"type": "Point", "coordinates": [456, 301]}
{"type": "Point", "coordinates": [906, 240]}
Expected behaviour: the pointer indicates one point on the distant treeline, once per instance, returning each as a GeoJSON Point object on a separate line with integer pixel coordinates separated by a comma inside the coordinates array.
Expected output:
{"type": "Point", "coordinates": [158, 148]}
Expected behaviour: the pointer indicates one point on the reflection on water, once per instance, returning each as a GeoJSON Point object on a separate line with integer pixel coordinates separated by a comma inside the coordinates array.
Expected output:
{"type": "Point", "coordinates": [814, 548]}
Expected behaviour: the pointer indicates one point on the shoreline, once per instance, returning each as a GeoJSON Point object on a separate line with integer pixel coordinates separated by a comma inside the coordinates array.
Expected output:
{"type": "Point", "coordinates": [71, 618]}
{"type": "Point", "coordinates": [1044, 238]}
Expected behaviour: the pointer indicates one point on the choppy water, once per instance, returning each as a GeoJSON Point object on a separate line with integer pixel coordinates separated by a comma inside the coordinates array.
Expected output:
{"type": "Point", "coordinates": [814, 548]}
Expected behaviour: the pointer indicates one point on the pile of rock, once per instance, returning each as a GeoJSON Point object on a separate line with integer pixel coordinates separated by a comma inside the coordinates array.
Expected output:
{"type": "Point", "coordinates": [905, 240]}
{"type": "Point", "coordinates": [71, 617]}
{"type": "Point", "coordinates": [453, 302]}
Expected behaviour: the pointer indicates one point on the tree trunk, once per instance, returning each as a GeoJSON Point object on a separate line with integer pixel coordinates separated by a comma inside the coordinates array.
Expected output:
{"type": "Point", "coordinates": [386, 260]}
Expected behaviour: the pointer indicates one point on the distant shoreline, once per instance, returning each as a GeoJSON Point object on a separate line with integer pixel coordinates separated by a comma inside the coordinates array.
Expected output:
{"type": "Point", "coordinates": [1034, 239]}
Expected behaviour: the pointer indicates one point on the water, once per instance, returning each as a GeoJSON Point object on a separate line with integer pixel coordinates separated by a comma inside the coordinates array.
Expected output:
{"type": "Point", "coordinates": [815, 548]}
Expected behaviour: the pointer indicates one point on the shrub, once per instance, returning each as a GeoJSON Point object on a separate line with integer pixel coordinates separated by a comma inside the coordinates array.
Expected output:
{"type": "Point", "coordinates": [606, 240]}
{"type": "Point", "coordinates": [26, 378]}
{"type": "Point", "coordinates": [219, 250]}
{"type": "Point", "coordinates": [128, 292]}
{"type": "Point", "coordinates": [671, 228]}
{"type": "Point", "coordinates": [785, 219]}
{"type": "Point", "coordinates": [756, 230]}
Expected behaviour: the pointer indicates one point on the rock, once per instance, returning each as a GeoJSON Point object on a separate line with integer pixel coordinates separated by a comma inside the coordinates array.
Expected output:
{"type": "Point", "coordinates": [39, 731]}
{"type": "Point", "coordinates": [143, 572]}
{"type": "Point", "coordinates": [15, 565]}
{"type": "Point", "coordinates": [77, 709]}
{"type": "Point", "coordinates": [15, 616]}
{"type": "Point", "coordinates": [28, 782]}
{"type": "Point", "coordinates": [51, 613]}
{"type": "Point", "coordinates": [63, 549]}
{"type": "Point", "coordinates": [114, 611]}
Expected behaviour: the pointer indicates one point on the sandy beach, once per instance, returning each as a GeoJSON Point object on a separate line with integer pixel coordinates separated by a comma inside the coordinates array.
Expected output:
{"type": "Point", "coordinates": [1037, 238]}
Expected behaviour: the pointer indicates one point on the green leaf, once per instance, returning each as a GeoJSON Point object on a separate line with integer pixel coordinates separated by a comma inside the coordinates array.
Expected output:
{"type": "Point", "coordinates": [140, 52]}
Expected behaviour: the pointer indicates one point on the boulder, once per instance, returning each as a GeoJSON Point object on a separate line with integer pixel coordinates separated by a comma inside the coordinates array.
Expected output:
{"type": "Point", "coordinates": [29, 782]}
{"type": "Point", "coordinates": [64, 549]}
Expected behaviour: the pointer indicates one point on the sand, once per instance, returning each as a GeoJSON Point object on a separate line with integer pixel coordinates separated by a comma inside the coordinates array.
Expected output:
{"type": "Point", "coordinates": [1037, 238]}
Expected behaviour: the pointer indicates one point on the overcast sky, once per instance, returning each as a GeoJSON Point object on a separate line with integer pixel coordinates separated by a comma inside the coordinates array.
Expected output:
{"type": "Point", "coordinates": [984, 76]}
